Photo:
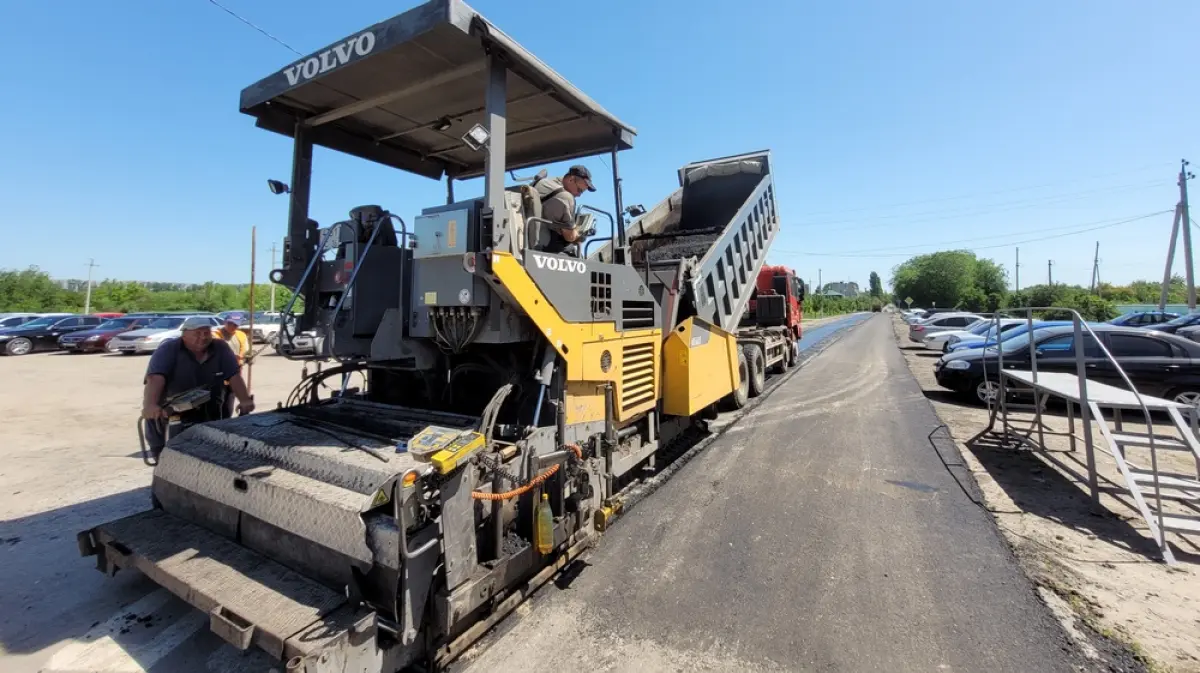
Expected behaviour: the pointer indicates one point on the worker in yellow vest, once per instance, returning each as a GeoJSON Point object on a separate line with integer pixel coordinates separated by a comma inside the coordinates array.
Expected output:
{"type": "Point", "coordinates": [239, 343]}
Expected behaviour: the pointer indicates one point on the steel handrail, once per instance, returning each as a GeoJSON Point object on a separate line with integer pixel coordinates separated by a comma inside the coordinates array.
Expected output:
{"type": "Point", "coordinates": [354, 275]}
{"type": "Point", "coordinates": [284, 314]}
{"type": "Point", "coordinates": [1079, 325]}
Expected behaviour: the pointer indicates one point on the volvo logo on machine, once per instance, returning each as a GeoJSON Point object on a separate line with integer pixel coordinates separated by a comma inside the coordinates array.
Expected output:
{"type": "Point", "coordinates": [335, 56]}
{"type": "Point", "coordinates": [560, 264]}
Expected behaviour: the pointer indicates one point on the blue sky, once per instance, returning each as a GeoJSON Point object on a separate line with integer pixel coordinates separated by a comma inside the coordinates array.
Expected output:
{"type": "Point", "coordinates": [895, 126]}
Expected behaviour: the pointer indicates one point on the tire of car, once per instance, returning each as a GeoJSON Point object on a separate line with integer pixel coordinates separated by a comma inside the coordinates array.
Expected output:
{"type": "Point", "coordinates": [984, 389]}
{"type": "Point", "coordinates": [1185, 395]}
{"type": "Point", "coordinates": [758, 370]}
{"type": "Point", "coordinates": [19, 346]}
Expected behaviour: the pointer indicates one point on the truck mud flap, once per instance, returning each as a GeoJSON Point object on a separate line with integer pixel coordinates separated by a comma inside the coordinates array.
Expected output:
{"type": "Point", "coordinates": [250, 599]}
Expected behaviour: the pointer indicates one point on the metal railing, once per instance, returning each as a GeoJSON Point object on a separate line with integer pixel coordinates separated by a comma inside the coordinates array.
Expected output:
{"type": "Point", "coordinates": [322, 246]}
{"type": "Point", "coordinates": [1085, 410]}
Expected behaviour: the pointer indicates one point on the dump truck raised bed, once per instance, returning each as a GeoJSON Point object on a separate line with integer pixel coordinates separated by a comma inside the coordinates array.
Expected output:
{"type": "Point", "coordinates": [701, 251]}
{"type": "Point", "coordinates": [510, 397]}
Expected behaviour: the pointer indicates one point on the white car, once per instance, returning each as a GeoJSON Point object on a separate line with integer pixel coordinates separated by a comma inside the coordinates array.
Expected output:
{"type": "Point", "coordinates": [941, 322]}
{"type": "Point", "coordinates": [150, 337]}
{"type": "Point", "coordinates": [266, 328]}
{"type": "Point", "coordinates": [939, 341]}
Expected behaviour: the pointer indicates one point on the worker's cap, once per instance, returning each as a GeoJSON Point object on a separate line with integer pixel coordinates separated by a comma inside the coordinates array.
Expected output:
{"type": "Point", "coordinates": [584, 174]}
{"type": "Point", "coordinates": [231, 321]}
{"type": "Point", "coordinates": [196, 322]}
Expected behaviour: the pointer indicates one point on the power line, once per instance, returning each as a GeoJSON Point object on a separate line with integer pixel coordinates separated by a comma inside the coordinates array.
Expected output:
{"type": "Point", "coordinates": [973, 239]}
{"type": "Point", "coordinates": [984, 209]}
{"type": "Point", "coordinates": [864, 253]}
{"type": "Point", "coordinates": [248, 23]}
{"type": "Point", "coordinates": [1143, 169]}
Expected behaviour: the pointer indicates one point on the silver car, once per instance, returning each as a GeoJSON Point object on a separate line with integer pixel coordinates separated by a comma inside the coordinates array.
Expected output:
{"type": "Point", "coordinates": [940, 322]}
{"type": "Point", "coordinates": [150, 337]}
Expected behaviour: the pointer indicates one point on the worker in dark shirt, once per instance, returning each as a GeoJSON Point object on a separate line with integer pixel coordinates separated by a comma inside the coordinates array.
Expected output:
{"type": "Point", "coordinates": [192, 360]}
{"type": "Point", "coordinates": [558, 208]}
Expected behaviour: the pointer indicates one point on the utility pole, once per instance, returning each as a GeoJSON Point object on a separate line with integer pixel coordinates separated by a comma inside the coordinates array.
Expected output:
{"type": "Point", "coordinates": [272, 284]}
{"type": "Point", "coordinates": [1050, 272]}
{"type": "Point", "coordinates": [87, 302]}
{"type": "Point", "coordinates": [819, 282]}
{"type": "Point", "coordinates": [1018, 270]}
{"type": "Point", "coordinates": [1166, 284]}
{"type": "Point", "coordinates": [1096, 269]}
{"type": "Point", "coordinates": [1182, 220]}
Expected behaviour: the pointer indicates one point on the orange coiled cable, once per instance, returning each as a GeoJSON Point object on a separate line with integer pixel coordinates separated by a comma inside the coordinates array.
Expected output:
{"type": "Point", "coordinates": [480, 495]}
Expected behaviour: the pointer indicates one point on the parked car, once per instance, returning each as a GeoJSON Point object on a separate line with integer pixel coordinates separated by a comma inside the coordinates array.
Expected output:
{"type": "Point", "coordinates": [150, 337]}
{"type": "Point", "coordinates": [99, 338]}
{"type": "Point", "coordinates": [266, 328]}
{"type": "Point", "coordinates": [988, 332]}
{"type": "Point", "coordinates": [42, 334]}
{"type": "Point", "coordinates": [971, 344]}
{"type": "Point", "coordinates": [16, 319]}
{"type": "Point", "coordinates": [1173, 326]}
{"type": "Point", "coordinates": [1158, 364]}
{"type": "Point", "coordinates": [1143, 318]}
{"type": "Point", "coordinates": [940, 323]}
{"type": "Point", "coordinates": [937, 340]}
{"type": "Point", "coordinates": [29, 317]}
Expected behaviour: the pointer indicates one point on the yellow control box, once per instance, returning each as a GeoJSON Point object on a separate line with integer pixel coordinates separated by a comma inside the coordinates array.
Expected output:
{"type": "Point", "coordinates": [445, 448]}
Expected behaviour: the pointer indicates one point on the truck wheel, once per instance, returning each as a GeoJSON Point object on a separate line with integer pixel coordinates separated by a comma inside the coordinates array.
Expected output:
{"type": "Point", "coordinates": [758, 370]}
{"type": "Point", "coordinates": [738, 398]}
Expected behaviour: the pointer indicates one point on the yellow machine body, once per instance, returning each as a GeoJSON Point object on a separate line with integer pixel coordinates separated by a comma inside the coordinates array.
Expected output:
{"type": "Point", "coordinates": [700, 366]}
{"type": "Point", "coordinates": [596, 353]}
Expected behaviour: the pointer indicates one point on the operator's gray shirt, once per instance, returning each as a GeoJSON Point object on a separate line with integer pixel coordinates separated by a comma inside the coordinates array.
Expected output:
{"type": "Point", "coordinates": [183, 371]}
{"type": "Point", "coordinates": [558, 209]}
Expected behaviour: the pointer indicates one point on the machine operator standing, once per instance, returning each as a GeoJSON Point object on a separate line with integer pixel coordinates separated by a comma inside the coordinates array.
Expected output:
{"type": "Point", "coordinates": [192, 360]}
{"type": "Point", "coordinates": [558, 207]}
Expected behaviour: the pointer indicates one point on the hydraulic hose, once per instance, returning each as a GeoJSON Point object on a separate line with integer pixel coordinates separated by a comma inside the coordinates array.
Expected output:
{"type": "Point", "coordinates": [520, 490]}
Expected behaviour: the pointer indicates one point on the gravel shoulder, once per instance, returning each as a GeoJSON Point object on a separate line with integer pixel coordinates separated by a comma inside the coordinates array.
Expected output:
{"type": "Point", "coordinates": [1098, 569]}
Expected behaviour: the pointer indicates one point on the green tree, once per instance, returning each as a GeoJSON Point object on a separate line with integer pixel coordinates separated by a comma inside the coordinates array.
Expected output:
{"type": "Point", "coordinates": [33, 290]}
{"type": "Point", "coordinates": [875, 285]}
{"type": "Point", "coordinates": [952, 278]}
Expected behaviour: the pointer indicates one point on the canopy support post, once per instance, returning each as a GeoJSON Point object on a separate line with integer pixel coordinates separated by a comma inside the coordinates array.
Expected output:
{"type": "Point", "coordinates": [497, 127]}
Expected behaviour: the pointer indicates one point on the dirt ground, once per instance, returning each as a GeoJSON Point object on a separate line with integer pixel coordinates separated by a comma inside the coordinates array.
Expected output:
{"type": "Point", "coordinates": [1098, 569]}
{"type": "Point", "coordinates": [70, 431]}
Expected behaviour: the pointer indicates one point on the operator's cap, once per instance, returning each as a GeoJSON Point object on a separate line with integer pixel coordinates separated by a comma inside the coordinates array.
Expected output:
{"type": "Point", "coordinates": [195, 322]}
{"type": "Point", "coordinates": [580, 171]}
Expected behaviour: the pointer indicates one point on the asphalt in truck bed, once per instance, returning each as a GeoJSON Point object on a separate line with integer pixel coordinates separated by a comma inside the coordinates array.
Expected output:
{"type": "Point", "coordinates": [820, 532]}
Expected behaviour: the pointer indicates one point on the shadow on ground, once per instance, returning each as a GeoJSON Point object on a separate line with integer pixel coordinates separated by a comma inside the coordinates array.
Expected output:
{"type": "Point", "coordinates": [50, 593]}
{"type": "Point", "coordinates": [1030, 479]}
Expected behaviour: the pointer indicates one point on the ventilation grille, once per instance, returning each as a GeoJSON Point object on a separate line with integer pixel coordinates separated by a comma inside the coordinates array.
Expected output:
{"type": "Point", "coordinates": [601, 294]}
{"type": "Point", "coordinates": [637, 314]}
{"type": "Point", "coordinates": [637, 375]}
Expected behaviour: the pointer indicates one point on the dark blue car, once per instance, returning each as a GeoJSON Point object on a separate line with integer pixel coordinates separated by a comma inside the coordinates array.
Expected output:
{"type": "Point", "coordinates": [1143, 318]}
{"type": "Point", "coordinates": [1172, 326]}
{"type": "Point", "coordinates": [1014, 332]}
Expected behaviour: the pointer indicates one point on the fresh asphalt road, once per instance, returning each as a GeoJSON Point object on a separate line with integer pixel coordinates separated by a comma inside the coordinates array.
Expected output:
{"type": "Point", "coordinates": [820, 532]}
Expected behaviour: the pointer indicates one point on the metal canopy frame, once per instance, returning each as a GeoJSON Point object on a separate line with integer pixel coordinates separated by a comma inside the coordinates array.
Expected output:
{"type": "Point", "coordinates": [404, 91]}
